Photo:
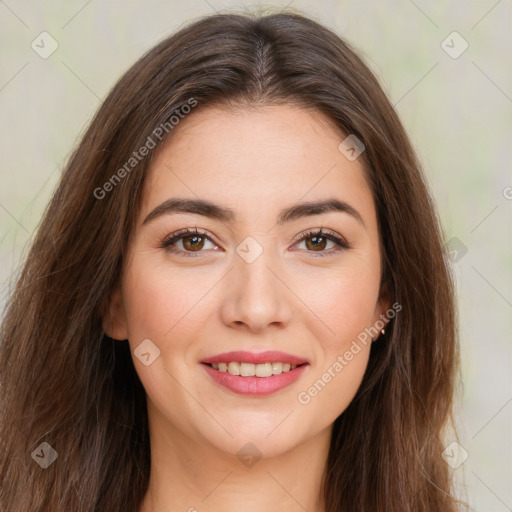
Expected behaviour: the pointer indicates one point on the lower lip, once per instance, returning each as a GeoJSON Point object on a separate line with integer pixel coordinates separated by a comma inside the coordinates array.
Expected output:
{"type": "Point", "coordinates": [255, 386]}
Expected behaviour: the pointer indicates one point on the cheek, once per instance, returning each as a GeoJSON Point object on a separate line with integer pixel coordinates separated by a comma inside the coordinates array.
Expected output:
{"type": "Point", "coordinates": [346, 307]}
{"type": "Point", "coordinates": [165, 307]}
{"type": "Point", "coordinates": [157, 299]}
{"type": "Point", "coordinates": [342, 301]}
{"type": "Point", "coordinates": [146, 302]}
{"type": "Point", "coordinates": [345, 300]}
{"type": "Point", "coordinates": [332, 390]}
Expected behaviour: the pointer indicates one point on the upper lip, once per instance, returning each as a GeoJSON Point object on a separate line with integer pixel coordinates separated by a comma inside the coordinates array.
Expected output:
{"type": "Point", "coordinates": [270, 356]}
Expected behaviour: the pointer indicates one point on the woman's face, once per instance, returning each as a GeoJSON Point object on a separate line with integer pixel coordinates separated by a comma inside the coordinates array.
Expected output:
{"type": "Point", "coordinates": [255, 278]}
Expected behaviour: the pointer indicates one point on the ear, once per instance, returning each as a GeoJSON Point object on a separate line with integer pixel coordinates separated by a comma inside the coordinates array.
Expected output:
{"type": "Point", "coordinates": [114, 316]}
{"type": "Point", "coordinates": [383, 305]}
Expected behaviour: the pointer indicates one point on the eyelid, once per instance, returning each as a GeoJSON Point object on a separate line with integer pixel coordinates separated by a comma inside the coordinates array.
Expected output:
{"type": "Point", "coordinates": [188, 232]}
{"type": "Point", "coordinates": [320, 232]}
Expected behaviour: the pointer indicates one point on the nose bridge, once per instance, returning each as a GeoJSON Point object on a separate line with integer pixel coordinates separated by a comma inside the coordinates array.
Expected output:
{"type": "Point", "coordinates": [255, 277]}
{"type": "Point", "coordinates": [253, 259]}
{"type": "Point", "coordinates": [256, 298]}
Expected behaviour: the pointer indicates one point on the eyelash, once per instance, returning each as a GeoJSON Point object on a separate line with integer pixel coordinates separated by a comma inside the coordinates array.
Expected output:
{"type": "Point", "coordinates": [342, 244]}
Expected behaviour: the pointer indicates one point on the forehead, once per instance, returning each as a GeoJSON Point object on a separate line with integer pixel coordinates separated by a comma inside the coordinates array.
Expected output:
{"type": "Point", "coordinates": [256, 160]}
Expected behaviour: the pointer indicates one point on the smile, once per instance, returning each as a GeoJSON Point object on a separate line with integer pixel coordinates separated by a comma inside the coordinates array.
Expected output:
{"type": "Point", "coordinates": [254, 374]}
{"type": "Point", "coordinates": [253, 370]}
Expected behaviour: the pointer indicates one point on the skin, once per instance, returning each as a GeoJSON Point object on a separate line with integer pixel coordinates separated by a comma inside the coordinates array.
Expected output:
{"type": "Point", "coordinates": [255, 161]}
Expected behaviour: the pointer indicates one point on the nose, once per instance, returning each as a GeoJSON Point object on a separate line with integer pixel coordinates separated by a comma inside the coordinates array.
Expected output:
{"type": "Point", "coordinates": [255, 296]}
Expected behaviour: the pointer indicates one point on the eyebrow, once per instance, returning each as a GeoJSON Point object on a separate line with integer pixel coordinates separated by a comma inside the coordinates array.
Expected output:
{"type": "Point", "coordinates": [214, 211]}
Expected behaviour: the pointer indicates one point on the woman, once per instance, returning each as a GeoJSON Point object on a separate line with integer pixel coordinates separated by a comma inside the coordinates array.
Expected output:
{"type": "Point", "coordinates": [238, 297]}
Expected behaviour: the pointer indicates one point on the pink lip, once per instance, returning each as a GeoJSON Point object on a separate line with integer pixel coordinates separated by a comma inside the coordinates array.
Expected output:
{"type": "Point", "coordinates": [271, 356]}
{"type": "Point", "coordinates": [254, 386]}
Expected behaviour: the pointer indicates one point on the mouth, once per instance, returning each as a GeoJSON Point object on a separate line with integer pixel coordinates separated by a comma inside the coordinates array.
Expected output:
{"type": "Point", "coordinates": [256, 374]}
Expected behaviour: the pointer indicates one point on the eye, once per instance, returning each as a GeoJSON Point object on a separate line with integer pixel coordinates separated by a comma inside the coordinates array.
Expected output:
{"type": "Point", "coordinates": [317, 240]}
{"type": "Point", "coordinates": [191, 241]}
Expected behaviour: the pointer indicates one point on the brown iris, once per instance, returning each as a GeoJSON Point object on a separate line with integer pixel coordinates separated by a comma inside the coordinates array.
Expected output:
{"type": "Point", "coordinates": [316, 244]}
{"type": "Point", "coordinates": [197, 242]}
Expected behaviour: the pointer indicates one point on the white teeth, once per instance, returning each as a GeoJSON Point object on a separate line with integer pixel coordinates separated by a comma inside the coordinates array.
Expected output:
{"type": "Point", "coordinates": [234, 368]}
{"type": "Point", "coordinates": [263, 370]}
{"type": "Point", "coordinates": [277, 368]}
{"type": "Point", "coordinates": [247, 370]}
{"type": "Point", "coordinates": [253, 370]}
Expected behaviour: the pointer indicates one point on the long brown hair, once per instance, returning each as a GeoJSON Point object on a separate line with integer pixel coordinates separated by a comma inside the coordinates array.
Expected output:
{"type": "Point", "coordinates": [64, 382]}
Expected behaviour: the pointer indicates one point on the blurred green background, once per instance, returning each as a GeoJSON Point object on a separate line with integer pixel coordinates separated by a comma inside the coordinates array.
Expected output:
{"type": "Point", "coordinates": [455, 102]}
